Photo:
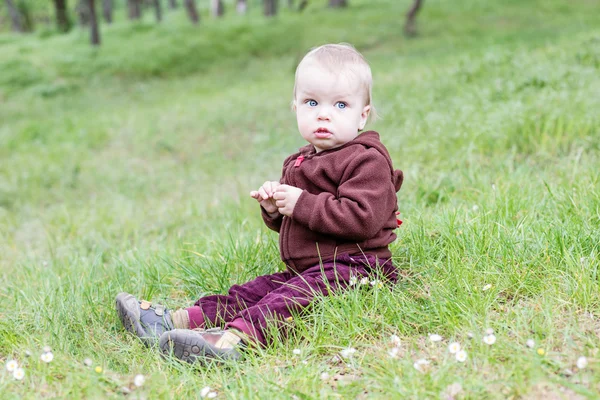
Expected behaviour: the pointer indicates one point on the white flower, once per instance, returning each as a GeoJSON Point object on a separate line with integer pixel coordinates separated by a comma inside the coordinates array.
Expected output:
{"type": "Point", "coordinates": [47, 357]}
{"type": "Point", "coordinates": [421, 365]}
{"type": "Point", "coordinates": [582, 362]}
{"type": "Point", "coordinates": [297, 352]}
{"type": "Point", "coordinates": [530, 343]}
{"type": "Point", "coordinates": [493, 187]}
{"type": "Point", "coordinates": [435, 337]}
{"type": "Point", "coordinates": [348, 352]}
{"type": "Point", "coordinates": [87, 362]}
{"type": "Point", "coordinates": [19, 374]}
{"type": "Point", "coordinates": [461, 356]}
{"type": "Point", "coordinates": [394, 352]}
{"type": "Point", "coordinates": [205, 391]}
{"type": "Point", "coordinates": [489, 331]}
{"type": "Point", "coordinates": [12, 365]}
{"type": "Point", "coordinates": [454, 348]}
{"type": "Point", "coordinates": [324, 376]}
{"type": "Point", "coordinates": [487, 287]}
{"type": "Point", "coordinates": [139, 380]}
{"type": "Point", "coordinates": [364, 281]}
{"type": "Point", "coordinates": [353, 281]}
{"type": "Point", "coordinates": [582, 260]}
{"type": "Point", "coordinates": [470, 335]}
{"type": "Point", "coordinates": [211, 395]}
{"type": "Point", "coordinates": [475, 207]}
{"type": "Point", "coordinates": [489, 339]}
{"type": "Point", "coordinates": [395, 340]}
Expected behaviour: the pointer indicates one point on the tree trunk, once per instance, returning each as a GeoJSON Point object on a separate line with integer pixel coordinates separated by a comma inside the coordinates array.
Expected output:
{"type": "Point", "coordinates": [107, 8]}
{"type": "Point", "coordinates": [157, 10]}
{"type": "Point", "coordinates": [94, 31]}
{"type": "Point", "coordinates": [410, 27]}
{"type": "Point", "coordinates": [63, 23]}
{"type": "Point", "coordinates": [302, 5]}
{"type": "Point", "coordinates": [173, 4]}
{"type": "Point", "coordinates": [217, 8]}
{"type": "Point", "coordinates": [83, 12]}
{"type": "Point", "coordinates": [290, 3]}
{"type": "Point", "coordinates": [241, 6]}
{"type": "Point", "coordinates": [192, 11]}
{"type": "Point", "coordinates": [338, 3]}
{"type": "Point", "coordinates": [270, 7]}
{"type": "Point", "coordinates": [15, 16]}
{"type": "Point", "coordinates": [134, 9]}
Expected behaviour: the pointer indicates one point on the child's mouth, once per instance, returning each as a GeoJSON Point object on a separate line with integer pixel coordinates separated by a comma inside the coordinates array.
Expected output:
{"type": "Point", "coordinates": [322, 133]}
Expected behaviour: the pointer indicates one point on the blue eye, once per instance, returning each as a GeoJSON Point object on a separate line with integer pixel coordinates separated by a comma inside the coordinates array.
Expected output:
{"type": "Point", "coordinates": [312, 103]}
{"type": "Point", "coordinates": [341, 105]}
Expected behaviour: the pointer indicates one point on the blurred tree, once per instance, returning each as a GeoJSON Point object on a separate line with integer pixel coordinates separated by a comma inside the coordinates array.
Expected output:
{"type": "Point", "coordinates": [107, 9]}
{"type": "Point", "coordinates": [270, 7]}
{"type": "Point", "coordinates": [217, 8]}
{"type": "Point", "coordinates": [94, 30]}
{"type": "Point", "coordinates": [157, 10]}
{"type": "Point", "coordinates": [192, 11]}
{"type": "Point", "coordinates": [63, 22]}
{"type": "Point", "coordinates": [410, 26]}
{"type": "Point", "coordinates": [338, 3]}
{"type": "Point", "coordinates": [302, 5]}
{"type": "Point", "coordinates": [173, 4]}
{"type": "Point", "coordinates": [24, 9]}
{"type": "Point", "coordinates": [83, 12]}
{"type": "Point", "coordinates": [134, 9]}
{"type": "Point", "coordinates": [241, 6]}
{"type": "Point", "coordinates": [15, 16]}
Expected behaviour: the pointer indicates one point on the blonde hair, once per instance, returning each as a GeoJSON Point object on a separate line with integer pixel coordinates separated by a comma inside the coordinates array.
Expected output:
{"type": "Point", "coordinates": [342, 58]}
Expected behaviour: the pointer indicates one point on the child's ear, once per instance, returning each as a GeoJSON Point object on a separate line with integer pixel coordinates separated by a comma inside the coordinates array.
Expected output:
{"type": "Point", "coordinates": [364, 116]}
{"type": "Point", "coordinates": [294, 108]}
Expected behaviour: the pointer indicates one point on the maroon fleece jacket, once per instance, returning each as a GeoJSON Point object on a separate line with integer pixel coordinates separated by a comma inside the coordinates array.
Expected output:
{"type": "Point", "coordinates": [348, 203]}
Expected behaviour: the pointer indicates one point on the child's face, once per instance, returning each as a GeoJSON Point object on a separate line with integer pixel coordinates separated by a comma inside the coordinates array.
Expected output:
{"type": "Point", "coordinates": [330, 108]}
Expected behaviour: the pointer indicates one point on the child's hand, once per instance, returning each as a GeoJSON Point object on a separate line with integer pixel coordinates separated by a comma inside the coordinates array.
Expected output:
{"type": "Point", "coordinates": [285, 198]}
{"type": "Point", "coordinates": [264, 195]}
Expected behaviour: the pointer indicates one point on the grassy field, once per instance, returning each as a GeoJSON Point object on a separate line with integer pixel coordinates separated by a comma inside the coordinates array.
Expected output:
{"type": "Point", "coordinates": [127, 168]}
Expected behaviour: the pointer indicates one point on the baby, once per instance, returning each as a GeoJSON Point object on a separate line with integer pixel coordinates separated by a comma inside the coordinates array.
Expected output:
{"type": "Point", "coordinates": [334, 209]}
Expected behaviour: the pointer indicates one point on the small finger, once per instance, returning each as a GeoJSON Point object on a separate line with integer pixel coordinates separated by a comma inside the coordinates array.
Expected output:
{"type": "Point", "coordinates": [263, 194]}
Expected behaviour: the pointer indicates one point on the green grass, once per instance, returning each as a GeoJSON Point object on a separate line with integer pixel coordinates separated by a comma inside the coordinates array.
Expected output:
{"type": "Point", "coordinates": [128, 168]}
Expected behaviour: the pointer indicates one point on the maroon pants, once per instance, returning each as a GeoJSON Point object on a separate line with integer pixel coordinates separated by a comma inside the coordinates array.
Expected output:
{"type": "Point", "coordinates": [270, 299]}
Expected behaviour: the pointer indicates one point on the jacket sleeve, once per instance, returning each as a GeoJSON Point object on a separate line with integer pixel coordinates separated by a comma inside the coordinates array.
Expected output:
{"type": "Point", "coordinates": [272, 223]}
{"type": "Point", "coordinates": [365, 200]}
{"type": "Point", "coordinates": [275, 223]}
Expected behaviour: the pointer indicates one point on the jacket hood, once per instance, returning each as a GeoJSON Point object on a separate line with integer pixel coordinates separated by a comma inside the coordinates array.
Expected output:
{"type": "Point", "coordinates": [370, 139]}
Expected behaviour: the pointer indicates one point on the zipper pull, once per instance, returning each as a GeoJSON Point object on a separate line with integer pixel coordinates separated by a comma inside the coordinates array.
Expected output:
{"type": "Point", "coordinates": [299, 161]}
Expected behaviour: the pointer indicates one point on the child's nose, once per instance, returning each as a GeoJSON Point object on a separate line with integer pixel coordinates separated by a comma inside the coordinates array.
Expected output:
{"type": "Point", "coordinates": [323, 114]}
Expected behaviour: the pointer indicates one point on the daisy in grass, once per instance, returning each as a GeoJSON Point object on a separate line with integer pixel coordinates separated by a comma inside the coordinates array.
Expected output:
{"type": "Point", "coordinates": [297, 352]}
{"type": "Point", "coordinates": [11, 365]}
{"type": "Point", "coordinates": [487, 287]}
{"type": "Point", "coordinates": [454, 348]}
{"type": "Point", "coordinates": [395, 340]}
{"type": "Point", "coordinates": [393, 353]}
{"type": "Point", "coordinates": [207, 393]}
{"type": "Point", "coordinates": [461, 356]}
{"type": "Point", "coordinates": [47, 357]}
{"type": "Point", "coordinates": [530, 343]}
{"type": "Point", "coordinates": [353, 281]}
{"type": "Point", "coordinates": [582, 362]}
{"type": "Point", "coordinates": [348, 352]}
{"type": "Point", "coordinates": [19, 374]}
{"type": "Point", "coordinates": [377, 283]}
{"type": "Point", "coordinates": [435, 338]}
{"type": "Point", "coordinates": [364, 281]}
{"type": "Point", "coordinates": [421, 365]}
{"type": "Point", "coordinates": [139, 380]}
{"type": "Point", "coordinates": [489, 339]}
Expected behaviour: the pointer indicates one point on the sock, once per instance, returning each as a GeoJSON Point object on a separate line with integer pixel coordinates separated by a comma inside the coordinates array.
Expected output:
{"type": "Point", "coordinates": [181, 319]}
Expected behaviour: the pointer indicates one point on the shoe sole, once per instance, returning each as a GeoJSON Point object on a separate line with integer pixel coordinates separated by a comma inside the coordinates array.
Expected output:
{"type": "Point", "coordinates": [182, 345]}
{"type": "Point", "coordinates": [128, 310]}
{"type": "Point", "coordinates": [191, 348]}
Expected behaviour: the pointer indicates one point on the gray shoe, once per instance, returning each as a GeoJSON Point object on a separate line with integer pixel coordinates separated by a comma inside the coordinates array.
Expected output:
{"type": "Point", "coordinates": [196, 345]}
{"type": "Point", "coordinates": [145, 320]}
